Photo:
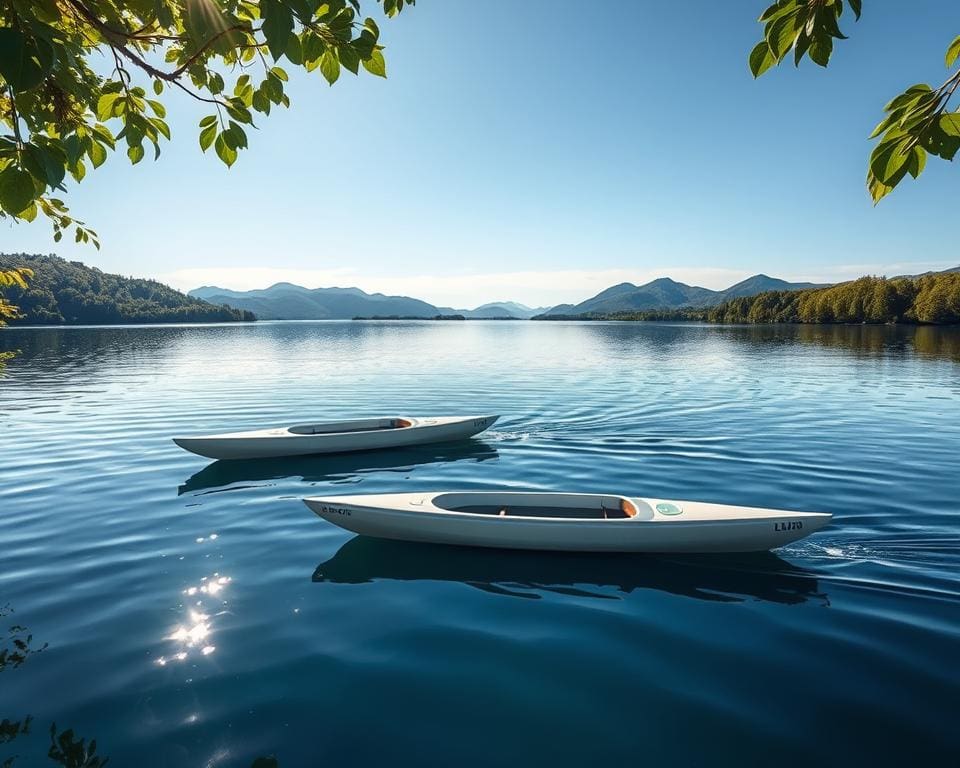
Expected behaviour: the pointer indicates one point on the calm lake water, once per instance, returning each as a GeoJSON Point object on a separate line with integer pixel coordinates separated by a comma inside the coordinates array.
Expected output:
{"type": "Point", "coordinates": [197, 614]}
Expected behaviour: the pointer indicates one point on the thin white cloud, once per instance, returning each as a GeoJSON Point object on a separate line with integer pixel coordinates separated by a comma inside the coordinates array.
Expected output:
{"type": "Point", "coordinates": [531, 287]}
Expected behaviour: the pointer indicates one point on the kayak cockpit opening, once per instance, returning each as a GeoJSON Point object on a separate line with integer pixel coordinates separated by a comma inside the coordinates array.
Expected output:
{"type": "Point", "coordinates": [556, 506]}
{"type": "Point", "coordinates": [356, 425]}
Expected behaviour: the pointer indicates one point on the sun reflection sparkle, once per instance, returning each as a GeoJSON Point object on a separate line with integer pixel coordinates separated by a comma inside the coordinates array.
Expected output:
{"type": "Point", "coordinates": [194, 631]}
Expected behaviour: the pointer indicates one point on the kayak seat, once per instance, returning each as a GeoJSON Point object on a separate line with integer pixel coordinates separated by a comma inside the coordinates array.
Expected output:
{"type": "Point", "coordinates": [519, 505]}
{"type": "Point", "coordinates": [625, 510]}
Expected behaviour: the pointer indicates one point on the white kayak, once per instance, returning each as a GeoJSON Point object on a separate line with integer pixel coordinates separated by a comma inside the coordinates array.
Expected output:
{"type": "Point", "coordinates": [567, 521]}
{"type": "Point", "coordinates": [336, 437]}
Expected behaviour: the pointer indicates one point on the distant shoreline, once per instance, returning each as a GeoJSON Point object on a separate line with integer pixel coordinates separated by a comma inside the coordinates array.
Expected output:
{"type": "Point", "coordinates": [241, 324]}
{"type": "Point", "coordinates": [705, 321]}
{"type": "Point", "coordinates": [435, 317]}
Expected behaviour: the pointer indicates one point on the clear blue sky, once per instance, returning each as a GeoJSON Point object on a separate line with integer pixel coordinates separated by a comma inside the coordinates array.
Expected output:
{"type": "Point", "coordinates": [531, 151]}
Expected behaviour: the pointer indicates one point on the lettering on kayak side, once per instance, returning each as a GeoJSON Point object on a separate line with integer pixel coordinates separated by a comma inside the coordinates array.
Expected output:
{"type": "Point", "coordinates": [334, 510]}
{"type": "Point", "coordinates": [479, 422]}
{"type": "Point", "coordinates": [792, 525]}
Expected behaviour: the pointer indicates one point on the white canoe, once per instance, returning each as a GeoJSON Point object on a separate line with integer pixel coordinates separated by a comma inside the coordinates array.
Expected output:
{"type": "Point", "coordinates": [567, 521]}
{"type": "Point", "coordinates": [335, 437]}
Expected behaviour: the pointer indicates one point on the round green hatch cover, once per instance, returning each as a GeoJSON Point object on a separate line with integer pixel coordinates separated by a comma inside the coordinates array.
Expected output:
{"type": "Point", "coordinates": [665, 508]}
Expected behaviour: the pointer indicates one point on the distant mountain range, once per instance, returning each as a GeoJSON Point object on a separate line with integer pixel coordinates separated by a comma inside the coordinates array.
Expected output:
{"type": "Point", "coordinates": [285, 301]}
{"type": "Point", "coordinates": [665, 293]}
{"type": "Point", "coordinates": [499, 309]}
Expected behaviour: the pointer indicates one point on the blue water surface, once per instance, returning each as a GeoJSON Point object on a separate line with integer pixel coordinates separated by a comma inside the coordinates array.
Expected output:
{"type": "Point", "coordinates": [188, 613]}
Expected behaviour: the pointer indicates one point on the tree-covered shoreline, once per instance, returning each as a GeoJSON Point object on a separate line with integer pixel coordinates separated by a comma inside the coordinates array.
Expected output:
{"type": "Point", "coordinates": [924, 300]}
{"type": "Point", "coordinates": [63, 292]}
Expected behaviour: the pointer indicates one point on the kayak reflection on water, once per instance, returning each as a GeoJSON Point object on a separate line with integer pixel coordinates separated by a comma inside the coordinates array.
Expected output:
{"type": "Point", "coordinates": [331, 468]}
{"type": "Point", "coordinates": [715, 578]}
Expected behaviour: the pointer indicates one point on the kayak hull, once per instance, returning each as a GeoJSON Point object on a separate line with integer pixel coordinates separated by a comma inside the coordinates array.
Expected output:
{"type": "Point", "coordinates": [689, 527]}
{"type": "Point", "coordinates": [336, 437]}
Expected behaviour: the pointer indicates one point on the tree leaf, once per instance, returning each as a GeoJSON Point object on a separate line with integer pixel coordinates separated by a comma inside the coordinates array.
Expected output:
{"type": "Point", "coordinates": [97, 153]}
{"type": "Point", "coordinates": [17, 189]}
{"type": "Point", "coordinates": [777, 9]}
{"type": "Point", "coordinates": [761, 58]}
{"type": "Point", "coordinates": [781, 35]}
{"type": "Point", "coordinates": [313, 47]}
{"type": "Point", "coordinates": [29, 213]}
{"type": "Point", "coordinates": [24, 61]}
{"type": "Point", "coordinates": [917, 161]}
{"type": "Point", "coordinates": [50, 160]}
{"type": "Point", "coordinates": [330, 66]}
{"type": "Point", "coordinates": [829, 21]}
{"type": "Point", "coordinates": [261, 102]}
{"type": "Point", "coordinates": [801, 47]}
{"type": "Point", "coordinates": [207, 135]}
{"type": "Point", "coordinates": [953, 51]}
{"type": "Point", "coordinates": [376, 65]}
{"type": "Point", "coordinates": [105, 105]}
{"type": "Point", "coordinates": [135, 153]}
{"type": "Point", "coordinates": [277, 27]}
{"type": "Point", "coordinates": [161, 127]}
{"type": "Point", "coordinates": [350, 58]}
{"type": "Point", "coordinates": [295, 50]}
{"type": "Point", "coordinates": [820, 50]}
{"type": "Point", "coordinates": [239, 136]}
{"type": "Point", "coordinates": [950, 123]}
{"type": "Point", "coordinates": [888, 158]}
{"type": "Point", "coordinates": [878, 190]}
{"type": "Point", "coordinates": [102, 133]}
{"type": "Point", "coordinates": [913, 93]}
{"type": "Point", "coordinates": [239, 112]}
{"type": "Point", "coordinates": [227, 154]}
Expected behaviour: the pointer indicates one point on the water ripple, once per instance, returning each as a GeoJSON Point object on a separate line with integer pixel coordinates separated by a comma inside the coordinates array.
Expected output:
{"type": "Point", "coordinates": [197, 613]}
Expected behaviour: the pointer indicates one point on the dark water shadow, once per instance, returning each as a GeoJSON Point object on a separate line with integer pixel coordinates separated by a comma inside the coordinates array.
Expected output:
{"type": "Point", "coordinates": [24, 744]}
{"type": "Point", "coordinates": [714, 578]}
{"type": "Point", "coordinates": [327, 468]}
{"type": "Point", "coordinates": [64, 748]}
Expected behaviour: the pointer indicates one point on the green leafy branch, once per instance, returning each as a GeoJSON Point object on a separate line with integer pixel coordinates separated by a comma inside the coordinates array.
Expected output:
{"type": "Point", "coordinates": [64, 118]}
{"type": "Point", "coordinates": [918, 122]}
{"type": "Point", "coordinates": [10, 278]}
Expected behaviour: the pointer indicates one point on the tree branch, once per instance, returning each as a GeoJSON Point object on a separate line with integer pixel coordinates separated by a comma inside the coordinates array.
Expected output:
{"type": "Point", "coordinates": [169, 77]}
{"type": "Point", "coordinates": [15, 118]}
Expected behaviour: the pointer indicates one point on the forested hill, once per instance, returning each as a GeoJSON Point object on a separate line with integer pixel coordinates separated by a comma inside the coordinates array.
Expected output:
{"type": "Point", "coordinates": [68, 292]}
{"type": "Point", "coordinates": [932, 298]}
